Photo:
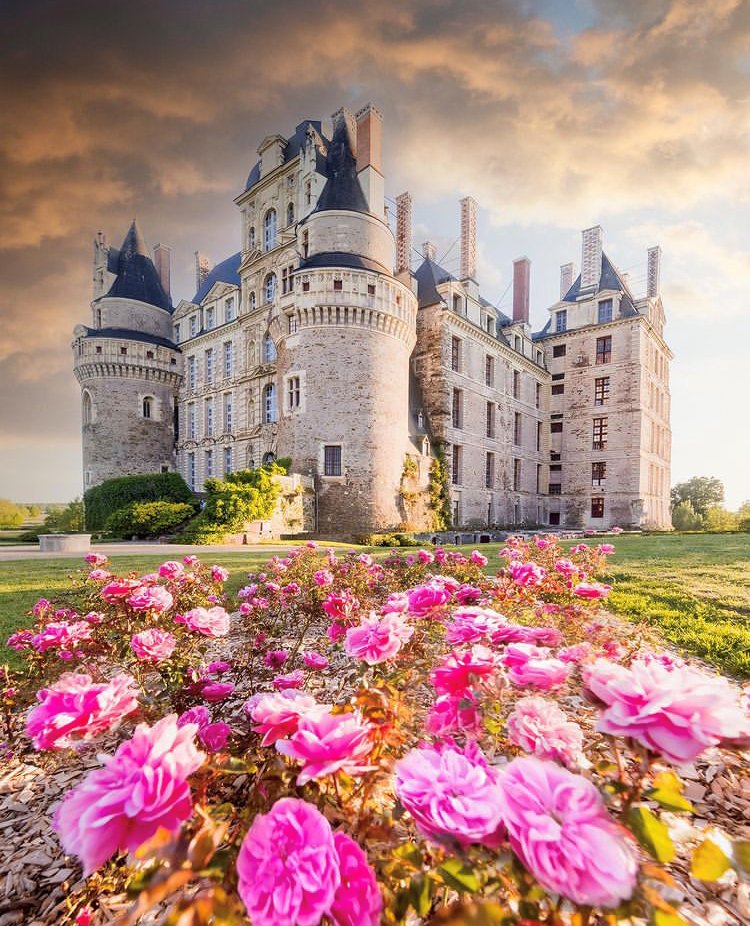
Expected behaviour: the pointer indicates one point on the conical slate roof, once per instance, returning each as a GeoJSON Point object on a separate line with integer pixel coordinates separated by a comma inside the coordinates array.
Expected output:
{"type": "Point", "coordinates": [137, 277]}
{"type": "Point", "coordinates": [342, 189]}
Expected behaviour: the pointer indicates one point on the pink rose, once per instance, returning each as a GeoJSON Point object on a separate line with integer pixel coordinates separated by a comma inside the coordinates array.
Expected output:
{"type": "Point", "coordinates": [314, 660]}
{"type": "Point", "coordinates": [277, 714]}
{"type": "Point", "coordinates": [558, 827]}
{"type": "Point", "coordinates": [377, 638]}
{"type": "Point", "coordinates": [526, 574]}
{"type": "Point", "coordinates": [153, 644]}
{"type": "Point", "coordinates": [539, 726]}
{"type": "Point", "coordinates": [471, 624]}
{"type": "Point", "coordinates": [357, 901]}
{"type": "Point", "coordinates": [211, 622]}
{"type": "Point", "coordinates": [99, 575]}
{"type": "Point", "coordinates": [462, 671]}
{"type": "Point", "coordinates": [478, 559]}
{"type": "Point", "coordinates": [323, 577]}
{"type": "Point", "coordinates": [95, 559]}
{"type": "Point", "coordinates": [171, 569]}
{"type": "Point", "coordinates": [425, 557]}
{"type": "Point", "coordinates": [294, 679]}
{"type": "Point", "coordinates": [454, 714]}
{"type": "Point", "coordinates": [452, 794]}
{"type": "Point", "coordinates": [288, 868]}
{"type": "Point", "coordinates": [219, 574]}
{"type": "Point", "coordinates": [275, 658]}
{"type": "Point", "coordinates": [75, 710]}
{"type": "Point", "coordinates": [151, 598]}
{"type": "Point", "coordinates": [592, 590]}
{"type": "Point", "coordinates": [566, 568]}
{"type": "Point", "coordinates": [198, 715]}
{"type": "Point", "coordinates": [141, 788]}
{"type": "Point", "coordinates": [530, 665]}
{"type": "Point", "coordinates": [216, 691]}
{"type": "Point", "coordinates": [326, 743]}
{"type": "Point", "coordinates": [575, 654]}
{"type": "Point", "coordinates": [62, 636]}
{"type": "Point", "coordinates": [341, 607]}
{"type": "Point", "coordinates": [120, 588]}
{"type": "Point", "coordinates": [606, 549]}
{"type": "Point", "coordinates": [429, 599]}
{"type": "Point", "coordinates": [214, 736]}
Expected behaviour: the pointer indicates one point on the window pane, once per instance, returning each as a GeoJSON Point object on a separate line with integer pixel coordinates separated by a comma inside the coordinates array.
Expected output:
{"type": "Point", "coordinates": [332, 460]}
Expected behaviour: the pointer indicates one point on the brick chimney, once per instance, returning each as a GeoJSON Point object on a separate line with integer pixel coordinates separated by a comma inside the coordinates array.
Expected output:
{"type": "Point", "coordinates": [369, 136]}
{"type": "Point", "coordinates": [591, 257]}
{"type": "Point", "coordinates": [403, 232]}
{"type": "Point", "coordinates": [163, 262]}
{"type": "Point", "coordinates": [521, 284]}
{"type": "Point", "coordinates": [566, 279]}
{"type": "Point", "coordinates": [653, 271]}
{"type": "Point", "coordinates": [468, 238]}
{"type": "Point", "coordinates": [202, 269]}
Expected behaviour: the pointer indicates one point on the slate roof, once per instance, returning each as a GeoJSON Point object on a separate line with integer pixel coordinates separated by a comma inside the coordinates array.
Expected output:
{"type": "Point", "coordinates": [342, 189]}
{"type": "Point", "coordinates": [128, 335]}
{"type": "Point", "coordinates": [293, 147]}
{"type": "Point", "coordinates": [225, 272]}
{"type": "Point", "coordinates": [342, 259]}
{"type": "Point", "coordinates": [428, 275]}
{"type": "Point", "coordinates": [137, 277]}
{"type": "Point", "coordinates": [608, 279]}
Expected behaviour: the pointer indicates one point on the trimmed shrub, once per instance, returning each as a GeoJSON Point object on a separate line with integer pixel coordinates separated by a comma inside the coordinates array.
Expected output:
{"type": "Point", "coordinates": [398, 539]}
{"type": "Point", "coordinates": [103, 500]}
{"type": "Point", "coordinates": [148, 519]}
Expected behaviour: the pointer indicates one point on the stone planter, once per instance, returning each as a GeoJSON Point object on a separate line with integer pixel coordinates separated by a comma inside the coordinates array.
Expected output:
{"type": "Point", "coordinates": [64, 543]}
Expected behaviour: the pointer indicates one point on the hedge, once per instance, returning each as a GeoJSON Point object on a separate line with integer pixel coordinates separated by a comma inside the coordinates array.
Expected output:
{"type": "Point", "coordinates": [103, 500]}
{"type": "Point", "coordinates": [148, 519]}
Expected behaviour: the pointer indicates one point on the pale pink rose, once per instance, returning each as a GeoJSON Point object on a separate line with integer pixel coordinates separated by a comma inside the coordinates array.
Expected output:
{"type": "Point", "coordinates": [314, 660]}
{"type": "Point", "coordinates": [219, 574]}
{"type": "Point", "coordinates": [428, 600]}
{"type": "Point", "coordinates": [294, 679]}
{"type": "Point", "coordinates": [171, 569]}
{"type": "Point", "coordinates": [454, 714]}
{"type": "Point", "coordinates": [95, 559]}
{"type": "Point", "coordinates": [516, 654]}
{"type": "Point", "coordinates": [323, 577]}
{"type": "Point", "coordinates": [211, 622]}
{"type": "Point", "coordinates": [606, 549]}
{"type": "Point", "coordinates": [141, 789]}
{"type": "Point", "coordinates": [478, 559]}
{"type": "Point", "coordinates": [566, 568]}
{"type": "Point", "coordinates": [62, 636]}
{"type": "Point", "coordinates": [120, 588]}
{"type": "Point", "coordinates": [539, 726]}
{"type": "Point", "coordinates": [558, 826]}
{"type": "Point", "coordinates": [575, 654]}
{"type": "Point", "coordinates": [616, 530]}
{"type": "Point", "coordinates": [675, 711]}
{"type": "Point", "coordinates": [277, 714]}
{"type": "Point", "coordinates": [546, 636]}
{"type": "Point", "coordinates": [287, 867]}
{"type": "Point", "coordinates": [451, 794]}
{"type": "Point", "coordinates": [396, 603]}
{"type": "Point", "coordinates": [592, 590]}
{"type": "Point", "coordinates": [75, 710]}
{"type": "Point", "coordinates": [377, 638]}
{"type": "Point", "coordinates": [326, 743]}
{"type": "Point", "coordinates": [462, 671]}
{"type": "Point", "coordinates": [214, 736]}
{"type": "Point", "coordinates": [471, 624]}
{"type": "Point", "coordinates": [511, 633]}
{"type": "Point", "coordinates": [531, 666]}
{"type": "Point", "coordinates": [357, 901]}
{"type": "Point", "coordinates": [99, 575]}
{"type": "Point", "coordinates": [526, 574]}
{"type": "Point", "coordinates": [153, 644]}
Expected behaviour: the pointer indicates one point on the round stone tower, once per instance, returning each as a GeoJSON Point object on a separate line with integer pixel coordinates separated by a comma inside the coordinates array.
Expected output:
{"type": "Point", "coordinates": [127, 365]}
{"type": "Point", "coordinates": [343, 344]}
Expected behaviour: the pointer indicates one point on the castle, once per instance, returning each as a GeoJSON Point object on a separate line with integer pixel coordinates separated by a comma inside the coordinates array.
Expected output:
{"type": "Point", "coordinates": [389, 386]}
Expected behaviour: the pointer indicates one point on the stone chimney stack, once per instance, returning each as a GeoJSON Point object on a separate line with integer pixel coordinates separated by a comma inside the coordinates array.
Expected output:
{"type": "Point", "coordinates": [101, 260]}
{"type": "Point", "coordinates": [591, 257]}
{"type": "Point", "coordinates": [202, 269]}
{"type": "Point", "coordinates": [566, 279]}
{"type": "Point", "coordinates": [369, 152]}
{"type": "Point", "coordinates": [468, 238]}
{"type": "Point", "coordinates": [653, 272]}
{"type": "Point", "coordinates": [521, 284]}
{"type": "Point", "coordinates": [163, 262]}
{"type": "Point", "coordinates": [403, 232]}
{"type": "Point", "coordinates": [429, 250]}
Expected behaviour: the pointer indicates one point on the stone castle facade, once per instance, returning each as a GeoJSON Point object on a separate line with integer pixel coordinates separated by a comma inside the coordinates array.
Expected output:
{"type": "Point", "coordinates": [318, 341]}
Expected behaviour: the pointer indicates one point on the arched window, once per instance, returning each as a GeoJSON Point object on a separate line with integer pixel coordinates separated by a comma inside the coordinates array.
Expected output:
{"type": "Point", "coordinates": [269, 349]}
{"type": "Point", "coordinates": [251, 301]}
{"type": "Point", "coordinates": [269, 287]}
{"type": "Point", "coordinates": [269, 457]}
{"type": "Point", "coordinates": [88, 408]}
{"type": "Point", "coordinates": [251, 237]}
{"type": "Point", "coordinates": [269, 403]}
{"type": "Point", "coordinates": [290, 214]}
{"type": "Point", "coordinates": [148, 407]}
{"type": "Point", "coordinates": [269, 230]}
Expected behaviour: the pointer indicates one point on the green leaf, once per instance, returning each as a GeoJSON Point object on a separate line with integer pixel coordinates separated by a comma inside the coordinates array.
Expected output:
{"type": "Point", "coordinates": [741, 854]}
{"type": "Point", "coordinates": [459, 876]}
{"type": "Point", "coordinates": [662, 918]}
{"type": "Point", "coordinates": [667, 792]}
{"type": "Point", "coordinates": [409, 852]}
{"type": "Point", "coordinates": [651, 833]}
{"type": "Point", "coordinates": [709, 862]}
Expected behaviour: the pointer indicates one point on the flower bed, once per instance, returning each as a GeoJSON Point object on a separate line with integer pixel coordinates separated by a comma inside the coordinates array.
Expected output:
{"type": "Point", "coordinates": [359, 740]}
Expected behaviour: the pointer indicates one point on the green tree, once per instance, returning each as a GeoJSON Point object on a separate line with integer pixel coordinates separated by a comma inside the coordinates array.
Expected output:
{"type": "Point", "coordinates": [701, 491]}
{"type": "Point", "coordinates": [685, 518]}
{"type": "Point", "coordinates": [65, 520]}
{"type": "Point", "coordinates": [719, 519]}
{"type": "Point", "coordinates": [11, 514]}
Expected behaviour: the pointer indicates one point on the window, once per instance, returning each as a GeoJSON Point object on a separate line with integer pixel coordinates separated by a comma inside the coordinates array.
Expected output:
{"type": "Point", "coordinates": [539, 435]}
{"type": "Point", "coordinates": [87, 408]}
{"type": "Point", "coordinates": [269, 349]}
{"type": "Point", "coordinates": [604, 349]}
{"type": "Point", "coordinates": [148, 407]}
{"type": "Point", "coordinates": [269, 230]}
{"type": "Point", "coordinates": [538, 478]}
{"type": "Point", "coordinates": [554, 518]}
{"type": "Point", "coordinates": [601, 390]}
{"type": "Point", "coordinates": [192, 434]}
{"type": "Point", "coordinates": [268, 457]}
{"type": "Point", "coordinates": [308, 193]}
{"type": "Point", "coordinates": [517, 429]}
{"type": "Point", "coordinates": [98, 318]}
{"type": "Point", "coordinates": [209, 417]}
{"type": "Point", "coordinates": [290, 214]}
{"type": "Point", "coordinates": [598, 475]}
{"type": "Point", "coordinates": [269, 403]}
{"type": "Point", "coordinates": [251, 301]}
{"type": "Point", "coordinates": [228, 358]}
{"type": "Point", "coordinates": [269, 287]}
{"type": "Point", "coordinates": [456, 354]}
{"type": "Point", "coordinates": [292, 324]}
{"type": "Point", "coordinates": [561, 320]}
{"type": "Point", "coordinates": [305, 244]}
{"type": "Point", "coordinates": [604, 311]}
{"type": "Point", "coordinates": [191, 470]}
{"type": "Point", "coordinates": [191, 373]}
{"type": "Point", "coordinates": [123, 350]}
{"type": "Point", "coordinates": [559, 350]}
{"type": "Point", "coordinates": [456, 512]}
{"type": "Point", "coordinates": [98, 349]}
{"type": "Point", "coordinates": [558, 389]}
{"type": "Point", "coordinates": [517, 345]}
{"type": "Point", "coordinates": [555, 468]}
{"type": "Point", "coordinates": [370, 289]}
{"type": "Point", "coordinates": [306, 286]}
{"type": "Point", "coordinates": [193, 325]}
{"type": "Point", "coordinates": [210, 318]}
{"type": "Point", "coordinates": [228, 412]}
{"type": "Point", "coordinates": [338, 284]}
{"type": "Point", "coordinates": [177, 333]}
{"type": "Point", "coordinates": [293, 392]}
{"type": "Point", "coordinates": [457, 409]}
{"type": "Point", "coordinates": [209, 464]}
{"type": "Point", "coordinates": [489, 371]}
{"type": "Point", "coordinates": [597, 507]}
{"type": "Point", "coordinates": [149, 355]}
{"type": "Point", "coordinates": [287, 279]}
{"type": "Point", "coordinates": [516, 475]}
{"type": "Point", "coordinates": [458, 304]}
{"type": "Point", "coordinates": [539, 357]}
{"type": "Point", "coordinates": [332, 460]}
{"type": "Point", "coordinates": [209, 365]}
{"type": "Point", "coordinates": [538, 395]}
{"type": "Point", "coordinates": [229, 309]}
{"type": "Point", "coordinates": [251, 238]}
{"type": "Point", "coordinates": [489, 470]}
{"type": "Point", "coordinates": [456, 467]}
{"type": "Point", "coordinates": [600, 434]}
{"type": "Point", "coordinates": [556, 427]}
{"type": "Point", "coordinates": [555, 488]}
{"type": "Point", "coordinates": [516, 384]}
{"type": "Point", "coordinates": [228, 464]}
{"type": "Point", "coordinates": [554, 456]}
{"type": "Point", "coordinates": [490, 419]}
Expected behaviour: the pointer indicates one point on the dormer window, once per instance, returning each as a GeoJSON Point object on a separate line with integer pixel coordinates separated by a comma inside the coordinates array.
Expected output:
{"type": "Point", "coordinates": [193, 325]}
{"type": "Point", "coordinates": [210, 318]}
{"type": "Point", "coordinates": [561, 321]}
{"type": "Point", "coordinates": [604, 311]}
{"type": "Point", "coordinates": [457, 304]}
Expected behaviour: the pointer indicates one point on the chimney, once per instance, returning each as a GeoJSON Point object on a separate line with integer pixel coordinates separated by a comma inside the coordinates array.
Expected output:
{"type": "Point", "coordinates": [591, 257]}
{"type": "Point", "coordinates": [654, 271]}
{"type": "Point", "coordinates": [202, 269]}
{"type": "Point", "coordinates": [566, 279]}
{"type": "Point", "coordinates": [348, 117]}
{"type": "Point", "coordinates": [429, 250]}
{"type": "Point", "coordinates": [403, 232]}
{"type": "Point", "coordinates": [369, 135]}
{"type": "Point", "coordinates": [468, 238]}
{"type": "Point", "coordinates": [162, 262]}
{"type": "Point", "coordinates": [521, 280]}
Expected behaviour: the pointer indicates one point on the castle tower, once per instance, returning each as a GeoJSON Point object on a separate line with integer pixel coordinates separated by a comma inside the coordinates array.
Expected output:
{"type": "Point", "coordinates": [127, 365]}
{"type": "Point", "coordinates": [344, 344]}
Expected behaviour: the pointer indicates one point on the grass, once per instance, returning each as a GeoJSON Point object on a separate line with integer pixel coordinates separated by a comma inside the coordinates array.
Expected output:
{"type": "Point", "coordinates": [693, 588]}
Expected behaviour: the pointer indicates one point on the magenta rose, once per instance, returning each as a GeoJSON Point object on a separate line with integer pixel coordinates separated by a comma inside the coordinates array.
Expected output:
{"type": "Point", "coordinates": [216, 691]}
{"type": "Point", "coordinates": [462, 671]}
{"type": "Point", "coordinates": [326, 743]}
{"type": "Point", "coordinates": [95, 559]}
{"type": "Point", "coordinates": [377, 637]}
{"type": "Point", "coordinates": [294, 679]}
{"type": "Point", "coordinates": [171, 569]}
{"type": "Point", "coordinates": [119, 589]}
{"type": "Point", "coordinates": [63, 636]}
{"type": "Point", "coordinates": [153, 645]}
{"type": "Point", "coordinates": [211, 622]}
{"type": "Point", "coordinates": [141, 788]}
{"type": "Point", "coordinates": [429, 599]}
{"type": "Point", "coordinates": [198, 715]}
{"type": "Point", "coordinates": [454, 714]}
{"type": "Point", "coordinates": [219, 574]}
{"type": "Point", "coordinates": [314, 660]}
{"type": "Point", "coordinates": [539, 726]}
{"type": "Point", "coordinates": [357, 901]}
{"type": "Point", "coordinates": [275, 658]}
{"type": "Point", "coordinates": [526, 574]}
{"type": "Point", "coordinates": [214, 736]}
{"type": "Point", "coordinates": [287, 867]}
{"type": "Point", "coordinates": [592, 590]}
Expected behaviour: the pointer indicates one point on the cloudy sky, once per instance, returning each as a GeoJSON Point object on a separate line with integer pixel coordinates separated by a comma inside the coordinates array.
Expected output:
{"type": "Point", "coordinates": [554, 114]}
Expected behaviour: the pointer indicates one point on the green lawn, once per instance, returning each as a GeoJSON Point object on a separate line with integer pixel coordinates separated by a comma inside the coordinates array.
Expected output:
{"type": "Point", "coordinates": [694, 589]}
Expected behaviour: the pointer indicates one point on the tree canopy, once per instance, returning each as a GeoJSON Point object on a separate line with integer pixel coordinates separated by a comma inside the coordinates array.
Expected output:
{"type": "Point", "coordinates": [703, 492]}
